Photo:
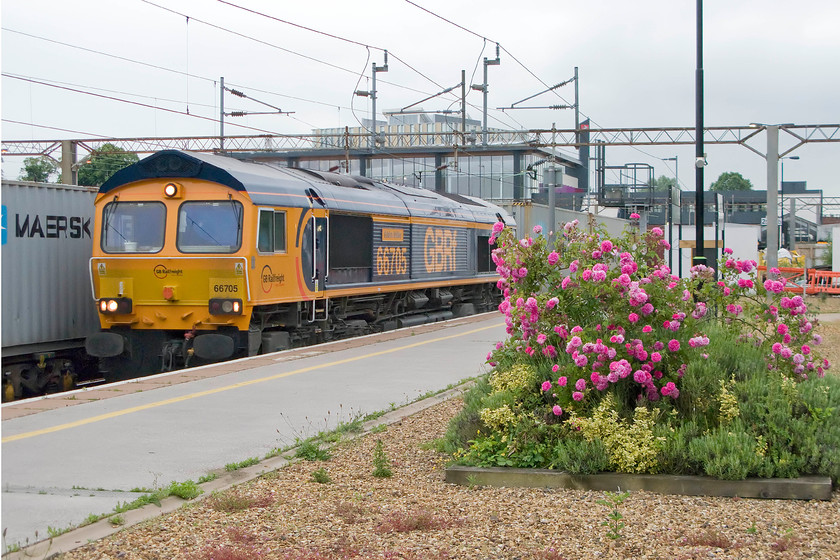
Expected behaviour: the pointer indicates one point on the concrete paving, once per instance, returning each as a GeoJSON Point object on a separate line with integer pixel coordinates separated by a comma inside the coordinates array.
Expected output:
{"type": "Point", "coordinates": [84, 456]}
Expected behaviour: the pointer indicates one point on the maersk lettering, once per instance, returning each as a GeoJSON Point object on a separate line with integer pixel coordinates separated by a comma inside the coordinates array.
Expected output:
{"type": "Point", "coordinates": [53, 227]}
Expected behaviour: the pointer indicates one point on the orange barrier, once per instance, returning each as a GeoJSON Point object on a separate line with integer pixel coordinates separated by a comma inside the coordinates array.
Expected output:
{"type": "Point", "coordinates": [797, 280]}
{"type": "Point", "coordinates": [824, 282]}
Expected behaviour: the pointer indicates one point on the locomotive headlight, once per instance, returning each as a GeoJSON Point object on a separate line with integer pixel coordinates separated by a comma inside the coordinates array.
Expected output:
{"type": "Point", "coordinates": [172, 190]}
{"type": "Point", "coordinates": [115, 306]}
{"type": "Point", "coordinates": [219, 306]}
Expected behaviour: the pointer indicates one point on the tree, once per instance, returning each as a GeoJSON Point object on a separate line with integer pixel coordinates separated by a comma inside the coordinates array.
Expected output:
{"type": "Point", "coordinates": [663, 183]}
{"type": "Point", "coordinates": [731, 181]}
{"type": "Point", "coordinates": [38, 169]}
{"type": "Point", "coordinates": [104, 162]}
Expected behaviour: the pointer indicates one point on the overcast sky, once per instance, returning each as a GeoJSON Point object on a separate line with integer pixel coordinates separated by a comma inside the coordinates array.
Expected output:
{"type": "Point", "coordinates": [769, 61]}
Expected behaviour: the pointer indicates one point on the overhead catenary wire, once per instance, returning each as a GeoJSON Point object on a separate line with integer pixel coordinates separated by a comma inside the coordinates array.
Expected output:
{"type": "Point", "coordinates": [330, 35]}
{"type": "Point", "coordinates": [351, 41]}
{"type": "Point", "coordinates": [213, 80]}
{"type": "Point", "coordinates": [10, 121]}
{"type": "Point", "coordinates": [4, 74]}
{"type": "Point", "coordinates": [165, 69]}
{"type": "Point", "coordinates": [520, 63]}
{"type": "Point", "coordinates": [326, 104]}
{"type": "Point", "coordinates": [140, 95]}
{"type": "Point", "coordinates": [268, 44]}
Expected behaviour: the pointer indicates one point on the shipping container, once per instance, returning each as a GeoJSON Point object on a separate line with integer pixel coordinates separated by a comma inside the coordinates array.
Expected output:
{"type": "Point", "coordinates": [47, 303]}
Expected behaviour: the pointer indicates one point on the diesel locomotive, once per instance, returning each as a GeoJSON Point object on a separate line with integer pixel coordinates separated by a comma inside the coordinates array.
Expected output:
{"type": "Point", "coordinates": [200, 258]}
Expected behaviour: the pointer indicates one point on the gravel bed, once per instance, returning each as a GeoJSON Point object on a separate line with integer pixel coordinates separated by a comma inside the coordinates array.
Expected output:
{"type": "Point", "coordinates": [415, 515]}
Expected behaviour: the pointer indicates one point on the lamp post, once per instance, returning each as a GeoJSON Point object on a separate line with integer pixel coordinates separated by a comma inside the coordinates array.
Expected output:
{"type": "Point", "coordinates": [676, 161]}
{"type": "Point", "coordinates": [699, 154]}
{"type": "Point", "coordinates": [792, 219]}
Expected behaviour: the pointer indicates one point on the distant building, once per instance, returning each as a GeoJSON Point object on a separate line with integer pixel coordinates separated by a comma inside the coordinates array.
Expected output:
{"type": "Point", "coordinates": [431, 151]}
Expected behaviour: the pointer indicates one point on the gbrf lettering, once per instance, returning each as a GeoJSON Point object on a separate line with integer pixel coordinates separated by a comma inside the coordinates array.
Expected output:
{"type": "Point", "coordinates": [439, 250]}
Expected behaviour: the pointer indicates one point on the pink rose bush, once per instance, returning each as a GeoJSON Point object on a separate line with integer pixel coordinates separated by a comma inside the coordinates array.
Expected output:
{"type": "Point", "coordinates": [617, 319]}
{"type": "Point", "coordinates": [613, 363]}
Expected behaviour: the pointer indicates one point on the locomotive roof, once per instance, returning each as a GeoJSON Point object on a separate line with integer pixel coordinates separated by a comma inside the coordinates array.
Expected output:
{"type": "Point", "coordinates": [271, 184]}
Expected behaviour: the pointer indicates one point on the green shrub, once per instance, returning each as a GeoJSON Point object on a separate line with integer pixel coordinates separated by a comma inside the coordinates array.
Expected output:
{"type": "Point", "coordinates": [467, 423]}
{"type": "Point", "coordinates": [674, 455]}
{"type": "Point", "coordinates": [728, 453]}
{"type": "Point", "coordinates": [580, 456]}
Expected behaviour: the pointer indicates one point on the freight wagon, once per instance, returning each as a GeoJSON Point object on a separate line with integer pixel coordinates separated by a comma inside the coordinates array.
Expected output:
{"type": "Point", "coordinates": [47, 308]}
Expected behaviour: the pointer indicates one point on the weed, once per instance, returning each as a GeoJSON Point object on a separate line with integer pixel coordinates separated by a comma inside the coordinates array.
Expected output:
{"type": "Point", "coordinates": [321, 476]}
{"type": "Point", "coordinates": [53, 532]}
{"type": "Point", "coordinates": [223, 552]}
{"type": "Point", "coordinates": [472, 481]}
{"type": "Point", "coordinates": [614, 523]}
{"type": "Point", "coordinates": [208, 478]}
{"type": "Point", "coordinates": [240, 535]}
{"type": "Point", "coordinates": [310, 450]}
{"type": "Point", "coordinates": [440, 554]}
{"type": "Point", "coordinates": [146, 499]}
{"type": "Point", "coordinates": [9, 548]}
{"type": "Point", "coordinates": [116, 520]}
{"type": "Point", "coordinates": [786, 542]}
{"type": "Point", "coordinates": [753, 529]}
{"type": "Point", "coordinates": [414, 520]}
{"type": "Point", "coordinates": [185, 490]}
{"type": "Point", "coordinates": [236, 500]}
{"type": "Point", "coordinates": [381, 465]}
{"type": "Point", "coordinates": [241, 464]}
{"type": "Point", "coordinates": [276, 452]}
{"type": "Point", "coordinates": [548, 554]}
{"type": "Point", "coordinates": [378, 429]}
{"type": "Point", "coordinates": [349, 512]}
{"type": "Point", "coordinates": [709, 538]}
{"type": "Point", "coordinates": [92, 518]}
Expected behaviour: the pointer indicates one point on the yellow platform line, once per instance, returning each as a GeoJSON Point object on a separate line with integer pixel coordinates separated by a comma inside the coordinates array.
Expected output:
{"type": "Point", "coordinates": [123, 412]}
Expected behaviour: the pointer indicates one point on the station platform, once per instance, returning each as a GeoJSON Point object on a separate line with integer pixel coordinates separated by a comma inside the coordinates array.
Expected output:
{"type": "Point", "coordinates": [73, 454]}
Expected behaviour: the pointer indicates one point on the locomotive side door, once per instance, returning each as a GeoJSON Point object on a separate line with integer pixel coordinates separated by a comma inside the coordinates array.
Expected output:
{"type": "Point", "coordinates": [319, 261]}
{"type": "Point", "coordinates": [320, 243]}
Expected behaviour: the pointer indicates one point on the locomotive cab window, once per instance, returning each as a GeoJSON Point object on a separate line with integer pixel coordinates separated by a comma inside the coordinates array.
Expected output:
{"type": "Point", "coordinates": [210, 227]}
{"type": "Point", "coordinates": [271, 237]}
{"type": "Point", "coordinates": [133, 227]}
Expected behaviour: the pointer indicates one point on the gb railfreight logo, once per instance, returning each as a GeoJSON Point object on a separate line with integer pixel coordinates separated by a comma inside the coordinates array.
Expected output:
{"type": "Point", "coordinates": [269, 279]}
{"type": "Point", "coordinates": [162, 271]}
